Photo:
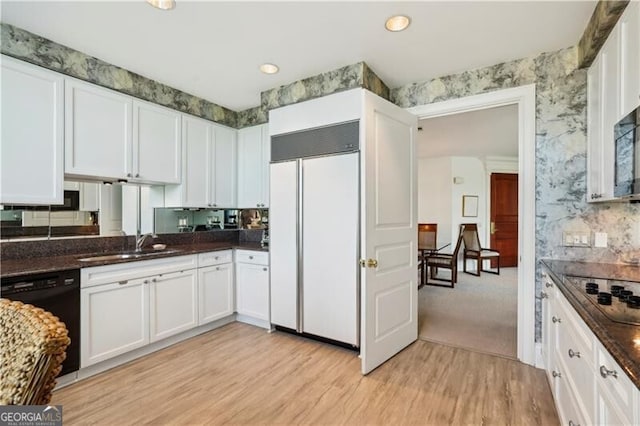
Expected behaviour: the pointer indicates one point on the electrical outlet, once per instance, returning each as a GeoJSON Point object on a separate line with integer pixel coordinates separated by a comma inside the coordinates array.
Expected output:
{"type": "Point", "coordinates": [600, 239]}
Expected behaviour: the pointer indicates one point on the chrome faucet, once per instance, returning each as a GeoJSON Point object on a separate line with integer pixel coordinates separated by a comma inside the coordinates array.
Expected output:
{"type": "Point", "coordinates": [140, 239]}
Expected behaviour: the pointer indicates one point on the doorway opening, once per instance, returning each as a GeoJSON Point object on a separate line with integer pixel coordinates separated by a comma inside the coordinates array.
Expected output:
{"type": "Point", "coordinates": [522, 98]}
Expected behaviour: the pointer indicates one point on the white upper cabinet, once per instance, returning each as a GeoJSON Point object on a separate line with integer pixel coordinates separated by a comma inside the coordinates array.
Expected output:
{"type": "Point", "coordinates": [110, 136]}
{"type": "Point", "coordinates": [613, 91]}
{"type": "Point", "coordinates": [223, 180]}
{"type": "Point", "coordinates": [98, 131]}
{"type": "Point", "coordinates": [630, 58]}
{"type": "Point", "coordinates": [208, 169]}
{"type": "Point", "coordinates": [156, 142]}
{"type": "Point", "coordinates": [253, 166]}
{"type": "Point", "coordinates": [32, 134]}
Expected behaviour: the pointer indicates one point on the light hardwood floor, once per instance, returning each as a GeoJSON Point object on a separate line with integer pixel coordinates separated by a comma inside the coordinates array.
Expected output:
{"type": "Point", "coordinates": [241, 374]}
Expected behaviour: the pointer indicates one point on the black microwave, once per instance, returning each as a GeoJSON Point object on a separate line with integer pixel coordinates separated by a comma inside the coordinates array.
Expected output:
{"type": "Point", "coordinates": [627, 156]}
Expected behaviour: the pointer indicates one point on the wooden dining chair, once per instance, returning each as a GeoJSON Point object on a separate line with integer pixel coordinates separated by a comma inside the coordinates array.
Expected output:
{"type": "Point", "coordinates": [427, 237]}
{"type": "Point", "coordinates": [438, 260]}
{"type": "Point", "coordinates": [473, 251]}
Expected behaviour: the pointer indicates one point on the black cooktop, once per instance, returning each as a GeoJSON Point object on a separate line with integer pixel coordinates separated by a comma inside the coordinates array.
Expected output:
{"type": "Point", "coordinates": [617, 300]}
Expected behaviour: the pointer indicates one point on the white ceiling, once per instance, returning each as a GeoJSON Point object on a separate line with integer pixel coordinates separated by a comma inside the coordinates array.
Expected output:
{"type": "Point", "coordinates": [482, 133]}
{"type": "Point", "coordinates": [213, 49]}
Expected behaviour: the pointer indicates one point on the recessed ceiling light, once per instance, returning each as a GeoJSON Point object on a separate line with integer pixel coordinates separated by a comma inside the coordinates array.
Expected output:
{"type": "Point", "coordinates": [397, 23]}
{"type": "Point", "coordinates": [269, 68]}
{"type": "Point", "coordinates": [162, 4]}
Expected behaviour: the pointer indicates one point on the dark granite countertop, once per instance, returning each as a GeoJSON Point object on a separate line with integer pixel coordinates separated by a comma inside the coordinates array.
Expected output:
{"type": "Point", "coordinates": [619, 339]}
{"type": "Point", "coordinates": [37, 265]}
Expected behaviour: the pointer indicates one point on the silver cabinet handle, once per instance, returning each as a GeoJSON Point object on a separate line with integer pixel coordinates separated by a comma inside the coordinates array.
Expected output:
{"type": "Point", "coordinates": [137, 174]}
{"type": "Point", "coordinates": [216, 257]}
{"type": "Point", "coordinates": [123, 282]}
{"type": "Point", "coordinates": [154, 280]}
{"type": "Point", "coordinates": [573, 354]}
{"type": "Point", "coordinates": [604, 372]}
{"type": "Point", "coordinates": [128, 174]}
{"type": "Point", "coordinates": [556, 374]}
{"type": "Point", "coordinates": [571, 423]}
{"type": "Point", "coordinates": [217, 268]}
{"type": "Point", "coordinates": [264, 269]}
{"type": "Point", "coordinates": [145, 282]}
{"type": "Point", "coordinates": [543, 295]}
{"type": "Point", "coordinates": [556, 320]}
{"type": "Point", "coordinates": [548, 284]}
{"type": "Point", "coordinates": [251, 257]}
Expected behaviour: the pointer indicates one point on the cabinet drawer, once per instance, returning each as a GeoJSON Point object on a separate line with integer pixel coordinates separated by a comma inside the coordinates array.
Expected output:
{"type": "Point", "coordinates": [253, 257]}
{"type": "Point", "coordinates": [612, 379]}
{"type": "Point", "coordinates": [144, 268]}
{"type": "Point", "coordinates": [215, 258]}
{"type": "Point", "coordinates": [570, 413]}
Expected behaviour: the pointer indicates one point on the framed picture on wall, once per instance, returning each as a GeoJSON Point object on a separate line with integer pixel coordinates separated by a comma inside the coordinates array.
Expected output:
{"type": "Point", "coordinates": [469, 206]}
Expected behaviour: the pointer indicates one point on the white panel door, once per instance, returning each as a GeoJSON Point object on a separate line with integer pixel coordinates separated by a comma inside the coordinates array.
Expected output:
{"type": "Point", "coordinates": [215, 292]}
{"type": "Point", "coordinates": [32, 134]}
{"type": "Point", "coordinates": [97, 131]}
{"type": "Point", "coordinates": [330, 248]}
{"type": "Point", "coordinates": [283, 243]}
{"type": "Point", "coordinates": [172, 304]}
{"type": "Point", "coordinates": [157, 142]}
{"type": "Point", "coordinates": [610, 108]}
{"type": "Point", "coordinates": [114, 318]}
{"type": "Point", "coordinates": [389, 238]}
{"type": "Point", "coordinates": [223, 179]}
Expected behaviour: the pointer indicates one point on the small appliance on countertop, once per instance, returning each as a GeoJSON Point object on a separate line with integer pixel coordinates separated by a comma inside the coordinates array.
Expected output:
{"type": "Point", "coordinates": [617, 300]}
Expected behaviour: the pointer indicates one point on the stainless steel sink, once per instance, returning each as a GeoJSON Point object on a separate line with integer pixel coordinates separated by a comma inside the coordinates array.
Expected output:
{"type": "Point", "coordinates": [127, 255]}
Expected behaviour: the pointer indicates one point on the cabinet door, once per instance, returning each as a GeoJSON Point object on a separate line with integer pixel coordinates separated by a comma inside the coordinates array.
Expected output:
{"type": "Point", "coordinates": [610, 109]}
{"type": "Point", "coordinates": [194, 189]}
{"type": "Point", "coordinates": [115, 320]}
{"type": "Point", "coordinates": [32, 134]}
{"type": "Point", "coordinates": [630, 58]}
{"type": "Point", "coordinates": [250, 163]}
{"type": "Point", "coordinates": [97, 131]}
{"type": "Point", "coordinates": [252, 287]}
{"type": "Point", "coordinates": [89, 197]}
{"type": "Point", "coordinates": [215, 292]}
{"type": "Point", "coordinates": [172, 304]}
{"type": "Point", "coordinates": [594, 130]}
{"type": "Point", "coordinates": [223, 179]}
{"type": "Point", "coordinates": [156, 141]}
{"type": "Point", "coordinates": [266, 158]}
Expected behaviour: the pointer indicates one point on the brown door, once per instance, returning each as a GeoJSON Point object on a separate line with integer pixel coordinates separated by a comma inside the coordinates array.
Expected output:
{"type": "Point", "coordinates": [504, 217]}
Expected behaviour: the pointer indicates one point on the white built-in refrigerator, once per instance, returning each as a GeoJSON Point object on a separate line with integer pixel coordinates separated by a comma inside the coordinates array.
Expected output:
{"type": "Point", "coordinates": [314, 232]}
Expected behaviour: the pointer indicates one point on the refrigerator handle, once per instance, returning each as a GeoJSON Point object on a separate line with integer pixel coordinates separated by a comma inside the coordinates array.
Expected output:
{"type": "Point", "coordinates": [300, 239]}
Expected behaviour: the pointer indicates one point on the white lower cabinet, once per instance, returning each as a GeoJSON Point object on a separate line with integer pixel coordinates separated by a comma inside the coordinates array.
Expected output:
{"type": "Point", "coordinates": [215, 286]}
{"type": "Point", "coordinates": [252, 285]}
{"type": "Point", "coordinates": [115, 320]}
{"type": "Point", "coordinates": [588, 385]}
{"type": "Point", "coordinates": [129, 305]}
{"type": "Point", "coordinates": [173, 304]}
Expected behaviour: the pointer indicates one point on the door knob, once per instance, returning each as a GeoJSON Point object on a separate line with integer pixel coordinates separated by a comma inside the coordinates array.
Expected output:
{"type": "Point", "coordinates": [372, 263]}
{"type": "Point", "coordinates": [493, 228]}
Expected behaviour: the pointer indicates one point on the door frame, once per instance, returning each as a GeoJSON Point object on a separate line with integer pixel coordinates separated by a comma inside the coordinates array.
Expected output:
{"type": "Point", "coordinates": [525, 98]}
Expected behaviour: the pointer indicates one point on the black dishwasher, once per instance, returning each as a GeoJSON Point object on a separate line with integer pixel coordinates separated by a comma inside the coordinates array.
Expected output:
{"type": "Point", "coordinates": [56, 292]}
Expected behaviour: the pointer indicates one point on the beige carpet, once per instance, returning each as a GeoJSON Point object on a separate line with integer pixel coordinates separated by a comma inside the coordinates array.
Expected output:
{"type": "Point", "coordinates": [479, 314]}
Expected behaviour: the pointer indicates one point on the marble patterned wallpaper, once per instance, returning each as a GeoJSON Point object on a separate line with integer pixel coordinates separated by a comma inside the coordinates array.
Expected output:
{"type": "Point", "coordinates": [561, 146]}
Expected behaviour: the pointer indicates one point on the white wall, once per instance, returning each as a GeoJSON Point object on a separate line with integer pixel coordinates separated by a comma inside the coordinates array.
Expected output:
{"type": "Point", "coordinates": [440, 200]}
{"type": "Point", "coordinates": [434, 194]}
{"type": "Point", "coordinates": [472, 171]}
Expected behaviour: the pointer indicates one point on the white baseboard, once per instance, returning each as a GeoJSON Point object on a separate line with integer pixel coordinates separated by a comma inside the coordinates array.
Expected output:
{"type": "Point", "coordinates": [253, 321]}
